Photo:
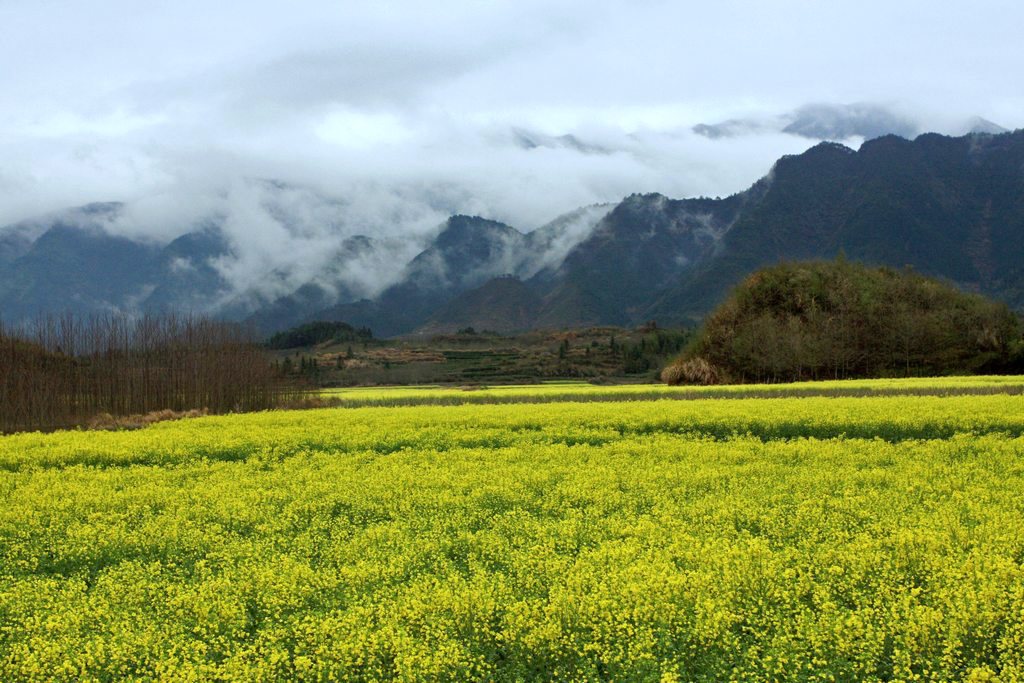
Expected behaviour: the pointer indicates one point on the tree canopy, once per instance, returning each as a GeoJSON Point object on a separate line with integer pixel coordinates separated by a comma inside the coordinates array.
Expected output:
{"type": "Point", "coordinates": [818, 320]}
{"type": "Point", "coordinates": [318, 332]}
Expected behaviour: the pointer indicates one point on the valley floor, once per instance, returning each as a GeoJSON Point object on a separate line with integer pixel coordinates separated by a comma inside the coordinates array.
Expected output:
{"type": "Point", "coordinates": [828, 531]}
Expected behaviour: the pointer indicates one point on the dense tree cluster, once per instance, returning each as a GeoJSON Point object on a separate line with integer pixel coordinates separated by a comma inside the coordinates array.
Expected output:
{"type": "Point", "coordinates": [318, 332]}
{"type": "Point", "coordinates": [818, 320]}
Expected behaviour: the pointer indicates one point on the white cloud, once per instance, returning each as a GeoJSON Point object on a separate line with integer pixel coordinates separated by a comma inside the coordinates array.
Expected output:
{"type": "Point", "coordinates": [397, 114]}
{"type": "Point", "coordinates": [346, 127]}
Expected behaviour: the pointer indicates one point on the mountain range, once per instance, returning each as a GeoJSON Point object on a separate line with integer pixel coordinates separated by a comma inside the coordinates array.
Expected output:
{"type": "Point", "coordinates": [951, 207]}
{"type": "Point", "coordinates": [836, 122]}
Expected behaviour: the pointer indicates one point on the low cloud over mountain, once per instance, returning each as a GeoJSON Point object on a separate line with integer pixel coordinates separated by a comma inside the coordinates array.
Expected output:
{"type": "Point", "coordinates": [646, 256]}
{"type": "Point", "coordinates": [247, 157]}
{"type": "Point", "coordinates": [859, 121]}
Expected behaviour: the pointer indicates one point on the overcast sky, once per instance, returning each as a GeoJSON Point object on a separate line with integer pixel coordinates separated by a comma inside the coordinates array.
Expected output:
{"type": "Point", "coordinates": [416, 109]}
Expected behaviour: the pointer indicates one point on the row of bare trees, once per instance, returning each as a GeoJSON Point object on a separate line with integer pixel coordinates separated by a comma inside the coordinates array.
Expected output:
{"type": "Point", "coordinates": [60, 371]}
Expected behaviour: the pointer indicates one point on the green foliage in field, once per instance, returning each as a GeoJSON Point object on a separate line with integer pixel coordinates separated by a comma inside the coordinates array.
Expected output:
{"type": "Point", "coordinates": [785, 539]}
{"type": "Point", "coordinates": [818, 320]}
{"type": "Point", "coordinates": [318, 332]}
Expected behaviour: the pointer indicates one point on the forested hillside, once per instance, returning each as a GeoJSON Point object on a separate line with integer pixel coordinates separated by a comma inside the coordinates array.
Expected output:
{"type": "Point", "coordinates": [837, 320]}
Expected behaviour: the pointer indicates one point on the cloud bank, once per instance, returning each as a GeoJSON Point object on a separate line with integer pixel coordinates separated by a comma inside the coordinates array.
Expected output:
{"type": "Point", "coordinates": [382, 119]}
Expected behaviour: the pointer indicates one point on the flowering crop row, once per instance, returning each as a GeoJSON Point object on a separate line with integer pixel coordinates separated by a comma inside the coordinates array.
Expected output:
{"type": "Point", "coordinates": [583, 391]}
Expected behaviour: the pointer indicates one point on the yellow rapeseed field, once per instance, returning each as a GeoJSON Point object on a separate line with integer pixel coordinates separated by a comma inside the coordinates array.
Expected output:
{"type": "Point", "coordinates": [583, 391]}
{"type": "Point", "coordinates": [876, 538]}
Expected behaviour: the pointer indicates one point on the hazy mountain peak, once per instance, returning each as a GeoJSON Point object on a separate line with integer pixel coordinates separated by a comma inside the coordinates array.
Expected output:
{"type": "Point", "coordinates": [648, 201]}
{"type": "Point", "coordinates": [205, 243]}
{"type": "Point", "coordinates": [731, 128]}
{"type": "Point", "coordinates": [828, 150]}
{"type": "Point", "coordinates": [529, 140]}
{"type": "Point", "coordinates": [978, 125]}
{"type": "Point", "coordinates": [820, 121]}
{"type": "Point", "coordinates": [844, 121]}
{"type": "Point", "coordinates": [460, 231]}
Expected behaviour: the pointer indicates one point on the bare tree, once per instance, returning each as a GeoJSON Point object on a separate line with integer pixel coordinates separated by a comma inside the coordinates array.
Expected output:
{"type": "Point", "coordinates": [60, 371]}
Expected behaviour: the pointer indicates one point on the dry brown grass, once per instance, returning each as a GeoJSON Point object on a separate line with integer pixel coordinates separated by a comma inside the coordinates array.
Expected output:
{"type": "Point", "coordinates": [108, 422]}
{"type": "Point", "coordinates": [692, 371]}
{"type": "Point", "coordinates": [311, 402]}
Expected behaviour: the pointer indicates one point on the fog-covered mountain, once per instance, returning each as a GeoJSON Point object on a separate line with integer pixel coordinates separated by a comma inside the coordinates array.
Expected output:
{"type": "Point", "coordinates": [950, 207]}
{"type": "Point", "coordinates": [82, 261]}
{"type": "Point", "coordinates": [860, 120]}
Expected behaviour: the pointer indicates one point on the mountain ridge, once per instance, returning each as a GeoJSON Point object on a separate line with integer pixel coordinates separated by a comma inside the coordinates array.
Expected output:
{"type": "Point", "coordinates": [952, 207]}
